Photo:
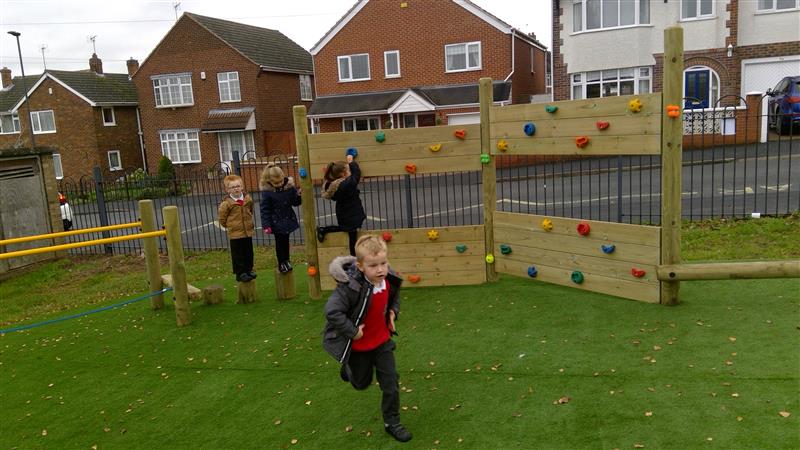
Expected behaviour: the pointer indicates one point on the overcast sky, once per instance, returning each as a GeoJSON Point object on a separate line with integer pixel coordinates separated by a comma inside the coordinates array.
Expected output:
{"type": "Point", "coordinates": [132, 28]}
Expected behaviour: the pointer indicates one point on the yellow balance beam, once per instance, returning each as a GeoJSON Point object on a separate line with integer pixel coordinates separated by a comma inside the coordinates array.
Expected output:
{"type": "Point", "coordinates": [69, 233]}
{"type": "Point", "coordinates": [55, 248]}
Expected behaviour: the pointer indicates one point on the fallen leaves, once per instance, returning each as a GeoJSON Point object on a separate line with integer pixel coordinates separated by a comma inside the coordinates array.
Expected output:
{"type": "Point", "coordinates": [784, 414]}
{"type": "Point", "coordinates": [562, 401]}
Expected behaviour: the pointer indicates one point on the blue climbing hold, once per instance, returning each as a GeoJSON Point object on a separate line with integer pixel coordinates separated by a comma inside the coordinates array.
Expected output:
{"type": "Point", "coordinates": [352, 152]}
{"type": "Point", "coordinates": [532, 272]}
{"type": "Point", "coordinates": [302, 172]}
{"type": "Point", "coordinates": [529, 128]}
{"type": "Point", "coordinates": [608, 248]}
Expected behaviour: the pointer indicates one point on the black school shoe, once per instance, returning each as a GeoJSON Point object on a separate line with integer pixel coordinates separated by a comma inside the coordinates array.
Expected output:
{"type": "Point", "coordinates": [284, 267]}
{"type": "Point", "coordinates": [252, 274]}
{"type": "Point", "coordinates": [244, 277]}
{"type": "Point", "coordinates": [320, 234]}
{"type": "Point", "coordinates": [343, 375]}
{"type": "Point", "coordinates": [398, 432]}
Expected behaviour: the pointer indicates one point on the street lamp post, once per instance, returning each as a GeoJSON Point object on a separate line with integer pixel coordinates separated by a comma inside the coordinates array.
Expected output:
{"type": "Point", "coordinates": [24, 88]}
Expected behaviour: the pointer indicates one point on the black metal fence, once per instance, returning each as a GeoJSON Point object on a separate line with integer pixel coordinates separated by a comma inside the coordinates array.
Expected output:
{"type": "Point", "coordinates": [727, 172]}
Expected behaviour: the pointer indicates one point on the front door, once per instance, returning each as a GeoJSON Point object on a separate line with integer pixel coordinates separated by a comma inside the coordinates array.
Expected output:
{"type": "Point", "coordinates": [697, 88]}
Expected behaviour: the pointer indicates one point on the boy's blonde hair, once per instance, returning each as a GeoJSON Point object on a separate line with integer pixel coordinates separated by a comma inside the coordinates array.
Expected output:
{"type": "Point", "coordinates": [272, 174]}
{"type": "Point", "coordinates": [231, 178]}
{"type": "Point", "coordinates": [369, 244]}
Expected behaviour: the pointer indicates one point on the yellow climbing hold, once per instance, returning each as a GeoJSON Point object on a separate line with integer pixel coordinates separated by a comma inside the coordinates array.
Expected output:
{"type": "Point", "coordinates": [502, 145]}
{"type": "Point", "coordinates": [433, 235]}
{"type": "Point", "coordinates": [635, 105]}
{"type": "Point", "coordinates": [435, 147]}
{"type": "Point", "coordinates": [547, 224]}
{"type": "Point", "coordinates": [490, 259]}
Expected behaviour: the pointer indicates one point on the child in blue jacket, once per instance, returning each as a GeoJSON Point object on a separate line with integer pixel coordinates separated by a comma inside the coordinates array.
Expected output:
{"type": "Point", "coordinates": [278, 196]}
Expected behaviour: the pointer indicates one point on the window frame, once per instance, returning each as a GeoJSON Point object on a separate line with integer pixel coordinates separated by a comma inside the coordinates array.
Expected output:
{"type": "Point", "coordinates": [247, 141]}
{"type": "Point", "coordinates": [386, 73]}
{"type": "Point", "coordinates": [774, 8]}
{"type": "Point", "coordinates": [113, 122]}
{"type": "Point", "coordinates": [157, 90]}
{"type": "Point", "coordinates": [38, 122]}
{"type": "Point", "coordinates": [367, 118]}
{"type": "Point", "coordinates": [466, 57]}
{"type": "Point", "coordinates": [111, 166]}
{"type": "Point", "coordinates": [58, 167]}
{"type": "Point", "coordinates": [583, 81]}
{"type": "Point", "coordinates": [349, 59]}
{"type": "Point", "coordinates": [15, 125]}
{"type": "Point", "coordinates": [699, 15]}
{"type": "Point", "coordinates": [637, 15]}
{"type": "Point", "coordinates": [229, 82]}
{"type": "Point", "coordinates": [188, 140]}
{"type": "Point", "coordinates": [305, 87]}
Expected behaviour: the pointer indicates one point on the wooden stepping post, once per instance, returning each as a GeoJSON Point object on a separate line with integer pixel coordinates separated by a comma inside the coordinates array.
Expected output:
{"type": "Point", "coordinates": [247, 292]}
{"type": "Point", "coordinates": [284, 285]}
{"type": "Point", "coordinates": [212, 295]}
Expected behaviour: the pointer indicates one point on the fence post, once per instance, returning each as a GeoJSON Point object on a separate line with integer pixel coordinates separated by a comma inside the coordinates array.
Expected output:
{"type": "Point", "coordinates": [147, 215]}
{"type": "Point", "coordinates": [183, 316]}
{"type": "Point", "coordinates": [671, 157]}
{"type": "Point", "coordinates": [237, 165]}
{"type": "Point", "coordinates": [409, 206]}
{"type": "Point", "coordinates": [101, 206]}
{"type": "Point", "coordinates": [619, 189]}
{"type": "Point", "coordinates": [489, 175]}
{"type": "Point", "coordinates": [308, 206]}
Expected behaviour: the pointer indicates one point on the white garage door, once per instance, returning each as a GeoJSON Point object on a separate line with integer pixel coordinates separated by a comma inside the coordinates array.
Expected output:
{"type": "Point", "coordinates": [463, 119]}
{"type": "Point", "coordinates": [764, 73]}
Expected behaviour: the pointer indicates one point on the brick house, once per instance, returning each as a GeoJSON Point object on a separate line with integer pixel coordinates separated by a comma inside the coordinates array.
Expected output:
{"type": "Point", "coordinates": [87, 117]}
{"type": "Point", "coordinates": [731, 47]}
{"type": "Point", "coordinates": [389, 64]}
{"type": "Point", "coordinates": [212, 86]}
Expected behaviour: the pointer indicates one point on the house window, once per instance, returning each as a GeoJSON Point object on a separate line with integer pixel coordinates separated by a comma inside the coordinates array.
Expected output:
{"type": "Point", "coordinates": [419, 120]}
{"type": "Point", "coordinates": [114, 160]}
{"type": "Point", "coordinates": [108, 117]}
{"type": "Point", "coordinates": [603, 14]}
{"type": "Point", "coordinates": [181, 146]}
{"type": "Point", "coordinates": [777, 5]}
{"type": "Point", "coordinates": [361, 124]}
{"type": "Point", "coordinates": [305, 88]}
{"type": "Point", "coordinates": [701, 87]}
{"type": "Point", "coordinates": [58, 169]}
{"type": "Point", "coordinates": [609, 83]}
{"type": "Point", "coordinates": [43, 122]}
{"type": "Point", "coordinates": [236, 141]}
{"type": "Point", "coordinates": [354, 67]}
{"type": "Point", "coordinates": [9, 123]}
{"type": "Point", "coordinates": [229, 87]}
{"type": "Point", "coordinates": [696, 9]}
{"type": "Point", "coordinates": [462, 57]}
{"type": "Point", "coordinates": [173, 90]}
{"type": "Point", "coordinates": [391, 63]}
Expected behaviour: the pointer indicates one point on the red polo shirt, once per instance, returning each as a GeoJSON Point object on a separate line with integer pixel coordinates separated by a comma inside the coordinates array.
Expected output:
{"type": "Point", "coordinates": [376, 331]}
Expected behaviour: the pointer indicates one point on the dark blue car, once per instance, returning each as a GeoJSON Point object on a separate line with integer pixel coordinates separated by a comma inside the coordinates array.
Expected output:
{"type": "Point", "coordinates": [784, 105]}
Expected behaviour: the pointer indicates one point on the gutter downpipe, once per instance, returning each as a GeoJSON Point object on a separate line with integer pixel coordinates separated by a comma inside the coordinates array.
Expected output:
{"type": "Point", "coordinates": [141, 140]}
{"type": "Point", "coordinates": [513, 33]}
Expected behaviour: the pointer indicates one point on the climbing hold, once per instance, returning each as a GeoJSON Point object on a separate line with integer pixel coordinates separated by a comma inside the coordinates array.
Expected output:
{"type": "Point", "coordinates": [635, 105]}
{"type": "Point", "coordinates": [433, 235]}
{"type": "Point", "coordinates": [547, 224]}
{"type": "Point", "coordinates": [582, 141]}
{"type": "Point", "coordinates": [502, 145]}
{"type": "Point", "coordinates": [411, 168]}
{"type": "Point", "coordinates": [583, 228]}
{"type": "Point", "coordinates": [414, 278]}
{"type": "Point", "coordinates": [485, 158]}
{"type": "Point", "coordinates": [387, 236]}
{"type": "Point", "coordinates": [529, 129]}
{"type": "Point", "coordinates": [312, 271]}
{"type": "Point", "coordinates": [638, 273]}
{"type": "Point", "coordinates": [461, 248]}
{"type": "Point", "coordinates": [461, 134]}
{"type": "Point", "coordinates": [380, 136]}
{"type": "Point", "coordinates": [302, 172]}
{"type": "Point", "coordinates": [602, 125]}
{"type": "Point", "coordinates": [577, 277]}
{"type": "Point", "coordinates": [673, 111]}
{"type": "Point", "coordinates": [608, 248]}
{"type": "Point", "coordinates": [551, 108]}
{"type": "Point", "coordinates": [490, 259]}
{"type": "Point", "coordinates": [532, 272]}
{"type": "Point", "coordinates": [351, 152]}
{"type": "Point", "coordinates": [435, 147]}
{"type": "Point", "coordinates": [505, 249]}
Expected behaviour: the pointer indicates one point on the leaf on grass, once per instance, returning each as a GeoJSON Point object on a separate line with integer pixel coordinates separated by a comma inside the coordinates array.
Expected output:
{"type": "Point", "coordinates": [516, 414]}
{"type": "Point", "coordinates": [656, 347]}
{"type": "Point", "coordinates": [294, 441]}
{"type": "Point", "coordinates": [308, 402]}
{"type": "Point", "coordinates": [732, 338]}
{"type": "Point", "coordinates": [739, 418]}
{"type": "Point", "coordinates": [648, 413]}
{"type": "Point", "coordinates": [278, 422]}
{"type": "Point", "coordinates": [44, 432]}
{"type": "Point", "coordinates": [348, 428]}
{"type": "Point", "coordinates": [735, 395]}
{"type": "Point", "coordinates": [785, 414]}
{"type": "Point", "coordinates": [562, 400]}
{"type": "Point", "coordinates": [638, 445]}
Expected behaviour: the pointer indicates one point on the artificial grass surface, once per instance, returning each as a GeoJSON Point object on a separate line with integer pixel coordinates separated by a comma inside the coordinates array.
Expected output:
{"type": "Point", "coordinates": [481, 367]}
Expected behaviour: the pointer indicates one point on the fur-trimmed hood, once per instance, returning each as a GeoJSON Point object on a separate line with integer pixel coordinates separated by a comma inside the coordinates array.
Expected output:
{"type": "Point", "coordinates": [265, 185]}
{"type": "Point", "coordinates": [341, 266]}
{"type": "Point", "coordinates": [331, 188]}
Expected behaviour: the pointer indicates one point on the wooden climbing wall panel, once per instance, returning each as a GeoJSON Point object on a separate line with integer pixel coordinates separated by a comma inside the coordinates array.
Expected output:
{"type": "Point", "coordinates": [557, 254]}
{"type": "Point", "coordinates": [555, 133]}
{"type": "Point", "coordinates": [399, 148]}
{"type": "Point", "coordinates": [412, 254]}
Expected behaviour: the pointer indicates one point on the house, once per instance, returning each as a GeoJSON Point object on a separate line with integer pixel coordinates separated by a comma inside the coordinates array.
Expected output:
{"type": "Point", "coordinates": [87, 117]}
{"type": "Point", "coordinates": [212, 87]}
{"type": "Point", "coordinates": [731, 47]}
{"type": "Point", "coordinates": [402, 64]}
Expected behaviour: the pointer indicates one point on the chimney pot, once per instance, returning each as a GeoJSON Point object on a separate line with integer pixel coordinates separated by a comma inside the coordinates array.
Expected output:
{"type": "Point", "coordinates": [96, 64]}
{"type": "Point", "coordinates": [133, 66]}
{"type": "Point", "coordinates": [5, 77]}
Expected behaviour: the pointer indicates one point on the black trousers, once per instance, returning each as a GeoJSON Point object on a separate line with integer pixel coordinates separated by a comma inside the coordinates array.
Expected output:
{"type": "Point", "coordinates": [352, 236]}
{"type": "Point", "coordinates": [282, 247]}
{"type": "Point", "coordinates": [380, 360]}
{"type": "Point", "coordinates": [242, 255]}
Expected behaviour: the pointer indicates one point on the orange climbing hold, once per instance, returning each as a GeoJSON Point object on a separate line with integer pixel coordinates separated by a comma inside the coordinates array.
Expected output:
{"type": "Point", "coordinates": [461, 134]}
{"type": "Point", "coordinates": [581, 141]}
{"type": "Point", "coordinates": [312, 271]}
{"type": "Point", "coordinates": [414, 278]}
{"type": "Point", "coordinates": [411, 168]}
{"type": "Point", "coordinates": [673, 111]}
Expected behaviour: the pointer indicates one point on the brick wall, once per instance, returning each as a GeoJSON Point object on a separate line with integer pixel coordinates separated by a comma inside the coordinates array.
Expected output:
{"type": "Point", "coordinates": [122, 136]}
{"type": "Point", "coordinates": [561, 84]}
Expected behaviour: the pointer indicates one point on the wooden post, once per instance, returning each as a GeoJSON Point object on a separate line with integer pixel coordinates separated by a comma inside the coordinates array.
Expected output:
{"type": "Point", "coordinates": [488, 175]}
{"type": "Point", "coordinates": [730, 271]}
{"type": "Point", "coordinates": [671, 157]}
{"type": "Point", "coordinates": [147, 213]}
{"type": "Point", "coordinates": [212, 294]}
{"type": "Point", "coordinates": [246, 292]}
{"type": "Point", "coordinates": [284, 284]}
{"type": "Point", "coordinates": [308, 206]}
{"type": "Point", "coordinates": [183, 316]}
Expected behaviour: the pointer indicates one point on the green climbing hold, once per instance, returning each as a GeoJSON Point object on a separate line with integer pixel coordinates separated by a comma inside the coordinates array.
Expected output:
{"type": "Point", "coordinates": [551, 108]}
{"type": "Point", "coordinates": [505, 249]}
{"type": "Point", "coordinates": [380, 136]}
{"type": "Point", "coordinates": [577, 277]}
{"type": "Point", "coordinates": [485, 158]}
{"type": "Point", "coordinates": [461, 248]}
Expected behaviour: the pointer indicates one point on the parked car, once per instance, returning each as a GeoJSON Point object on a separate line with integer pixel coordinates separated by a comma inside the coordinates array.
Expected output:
{"type": "Point", "coordinates": [66, 211]}
{"type": "Point", "coordinates": [783, 107]}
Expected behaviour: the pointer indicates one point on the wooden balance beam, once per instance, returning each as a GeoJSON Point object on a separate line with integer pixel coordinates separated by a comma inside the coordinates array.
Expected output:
{"type": "Point", "coordinates": [729, 271]}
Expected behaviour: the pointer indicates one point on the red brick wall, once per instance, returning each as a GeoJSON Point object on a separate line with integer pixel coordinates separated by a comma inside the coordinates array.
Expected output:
{"type": "Point", "coordinates": [123, 137]}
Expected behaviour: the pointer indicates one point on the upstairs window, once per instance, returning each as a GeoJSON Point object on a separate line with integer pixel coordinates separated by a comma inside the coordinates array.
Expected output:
{"type": "Point", "coordinates": [173, 90]}
{"type": "Point", "coordinates": [354, 67]}
{"type": "Point", "coordinates": [305, 88]}
{"type": "Point", "coordinates": [462, 57]}
{"type": "Point", "coordinates": [9, 123]}
{"type": "Point", "coordinates": [697, 9]}
{"type": "Point", "coordinates": [108, 117]}
{"type": "Point", "coordinates": [229, 87]}
{"type": "Point", "coordinates": [391, 63]}
{"type": "Point", "coordinates": [777, 5]}
{"type": "Point", "coordinates": [602, 14]}
{"type": "Point", "coordinates": [43, 122]}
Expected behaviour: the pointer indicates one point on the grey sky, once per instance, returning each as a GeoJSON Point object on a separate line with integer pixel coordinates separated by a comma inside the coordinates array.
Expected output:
{"type": "Point", "coordinates": [132, 28]}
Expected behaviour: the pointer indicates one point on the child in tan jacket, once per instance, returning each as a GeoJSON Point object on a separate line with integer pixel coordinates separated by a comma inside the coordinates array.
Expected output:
{"type": "Point", "coordinates": [236, 215]}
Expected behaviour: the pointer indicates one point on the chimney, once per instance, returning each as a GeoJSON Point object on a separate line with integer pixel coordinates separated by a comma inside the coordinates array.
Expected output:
{"type": "Point", "coordinates": [133, 66]}
{"type": "Point", "coordinates": [5, 77]}
{"type": "Point", "coordinates": [96, 64]}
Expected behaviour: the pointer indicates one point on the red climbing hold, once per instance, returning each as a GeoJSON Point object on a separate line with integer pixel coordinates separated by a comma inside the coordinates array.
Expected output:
{"type": "Point", "coordinates": [387, 236]}
{"type": "Point", "coordinates": [602, 124]}
{"type": "Point", "coordinates": [583, 228]}
{"type": "Point", "coordinates": [638, 273]}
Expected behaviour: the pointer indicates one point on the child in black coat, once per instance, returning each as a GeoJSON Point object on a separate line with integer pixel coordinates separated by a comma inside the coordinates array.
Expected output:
{"type": "Point", "coordinates": [341, 186]}
{"type": "Point", "coordinates": [278, 196]}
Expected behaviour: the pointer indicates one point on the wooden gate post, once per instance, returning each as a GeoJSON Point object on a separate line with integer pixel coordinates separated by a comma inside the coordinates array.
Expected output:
{"type": "Point", "coordinates": [307, 207]}
{"type": "Point", "coordinates": [488, 175]}
{"type": "Point", "coordinates": [147, 214]}
{"type": "Point", "coordinates": [183, 316]}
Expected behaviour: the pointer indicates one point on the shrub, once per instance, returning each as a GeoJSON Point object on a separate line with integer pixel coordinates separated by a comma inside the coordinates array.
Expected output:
{"type": "Point", "coordinates": [166, 171]}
